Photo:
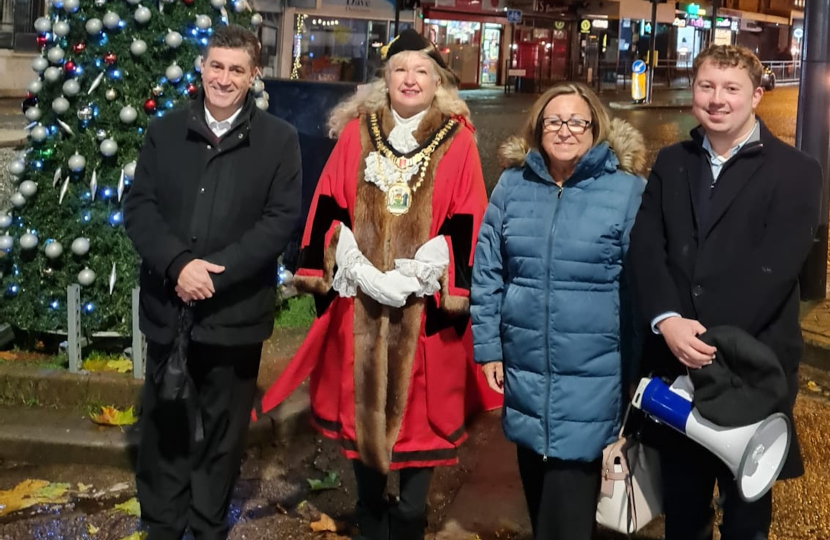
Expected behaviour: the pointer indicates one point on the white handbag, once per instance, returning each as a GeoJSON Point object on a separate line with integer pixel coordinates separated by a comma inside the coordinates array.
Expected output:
{"type": "Point", "coordinates": [630, 495]}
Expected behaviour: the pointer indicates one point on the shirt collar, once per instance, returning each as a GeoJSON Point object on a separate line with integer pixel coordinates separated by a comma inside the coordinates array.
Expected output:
{"type": "Point", "coordinates": [754, 136]}
{"type": "Point", "coordinates": [211, 121]}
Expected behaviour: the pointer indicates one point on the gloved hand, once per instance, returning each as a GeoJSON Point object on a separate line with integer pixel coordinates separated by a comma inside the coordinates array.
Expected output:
{"type": "Point", "coordinates": [428, 265]}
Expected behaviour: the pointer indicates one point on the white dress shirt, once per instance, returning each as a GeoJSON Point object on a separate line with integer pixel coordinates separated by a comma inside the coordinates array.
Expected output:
{"type": "Point", "coordinates": [220, 128]}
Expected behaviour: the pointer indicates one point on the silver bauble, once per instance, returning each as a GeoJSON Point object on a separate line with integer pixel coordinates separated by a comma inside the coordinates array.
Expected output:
{"type": "Point", "coordinates": [173, 39]}
{"type": "Point", "coordinates": [53, 250]}
{"type": "Point", "coordinates": [27, 188]}
{"type": "Point", "coordinates": [17, 167]}
{"type": "Point", "coordinates": [203, 22]}
{"type": "Point", "coordinates": [86, 277]}
{"type": "Point", "coordinates": [71, 6]}
{"type": "Point", "coordinates": [109, 147]}
{"type": "Point", "coordinates": [128, 114]}
{"type": "Point", "coordinates": [5, 221]}
{"type": "Point", "coordinates": [80, 246]}
{"type": "Point", "coordinates": [85, 113]}
{"type": "Point", "coordinates": [61, 28]}
{"type": "Point", "coordinates": [258, 86]}
{"type": "Point", "coordinates": [33, 114]}
{"type": "Point", "coordinates": [60, 105]}
{"type": "Point", "coordinates": [256, 19]}
{"type": "Point", "coordinates": [39, 133]}
{"type": "Point", "coordinates": [111, 20]}
{"type": "Point", "coordinates": [17, 199]}
{"type": "Point", "coordinates": [71, 87]}
{"type": "Point", "coordinates": [76, 163]}
{"type": "Point", "coordinates": [111, 94]}
{"type": "Point", "coordinates": [142, 15]}
{"type": "Point", "coordinates": [39, 64]}
{"type": "Point", "coordinates": [129, 170]}
{"type": "Point", "coordinates": [43, 25]}
{"type": "Point", "coordinates": [55, 55]}
{"type": "Point", "coordinates": [94, 26]}
{"type": "Point", "coordinates": [52, 74]}
{"type": "Point", "coordinates": [6, 242]}
{"type": "Point", "coordinates": [138, 47]}
{"type": "Point", "coordinates": [28, 241]}
{"type": "Point", "coordinates": [262, 103]}
{"type": "Point", "coordinates": [173, 73]}
{"type": "Point", "coordinates": [101, 134]}
{"type": "Point", "coordinates": [34, 87]}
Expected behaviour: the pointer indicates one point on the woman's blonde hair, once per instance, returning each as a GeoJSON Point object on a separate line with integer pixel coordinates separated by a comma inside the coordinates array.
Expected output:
{"type": "Point", "coordinates": [600, 121]}
{"type": "Point", "coordinates": [374, 96]}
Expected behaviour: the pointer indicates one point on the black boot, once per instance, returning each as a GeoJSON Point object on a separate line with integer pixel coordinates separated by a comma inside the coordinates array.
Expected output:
{"type": "Point", "coordinates": [373, 524]}
{"type": "Point", "coordinates": [406, 527]}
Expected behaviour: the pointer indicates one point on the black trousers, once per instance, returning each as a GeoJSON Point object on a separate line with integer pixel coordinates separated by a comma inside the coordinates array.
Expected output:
{"type": "Point", "coordinates": [561, 495]}
{"type": "Point", "coordinates": [181, 482]}
{"type": "Point", "coordinates": [689, 474]}
{"type": "Point", "coordinates": [380, 520]}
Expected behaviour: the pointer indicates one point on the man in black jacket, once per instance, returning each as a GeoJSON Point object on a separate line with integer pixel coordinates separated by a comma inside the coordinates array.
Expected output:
{"type": "Point", "coordinates": [726, 222]}
{"type": "Point", "coordinates": [215, 199]}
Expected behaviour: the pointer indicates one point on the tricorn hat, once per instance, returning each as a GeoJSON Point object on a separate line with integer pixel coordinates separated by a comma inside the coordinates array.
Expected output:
{"type": "Point", "coordinates": [410, 40]}
{"type": "Point", "coordinates": [744, 384]}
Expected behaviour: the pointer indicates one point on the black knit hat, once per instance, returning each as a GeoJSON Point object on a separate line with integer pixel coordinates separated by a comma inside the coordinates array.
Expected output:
{"type": "Point", "coordinates": [410, 40]}
{"type": "Point", "coordinates": [744, 384]}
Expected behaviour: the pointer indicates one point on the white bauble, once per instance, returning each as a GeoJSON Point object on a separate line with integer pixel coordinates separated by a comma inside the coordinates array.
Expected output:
{"type": "Point", "coordinates": [129, 170]}
{"type": "Point", "coordinates": [173, 39]}
{"type": "Point", "coordinates": [17, 199]}
{"type": "Point", "coordinates": [39, 64]}
{"type": "Point", "coordinates": [142, 15]}
{"type": "Point", "coordinates": [43, 25]}
{"type": "Point", "coordinates": [128, 114]}
{"type": "Point", "coordinates": [27, 188]}
{"type": "Point", "coordinates": [6, 242]}
{"type": "Point", "coordinates": [94, 26]}
{"type": "Point", "coordinates": [256, 19]}
{"type": "Point", "coordinates": [109, 147]}
{"type": "Point", "coordinates": [111, 20]}
{"type": "Point", "coordinates": [61, 28]}
{"type": "Point", "coordinates": [218, 3]}
{"type": "Point", "coordinates": [55, 55]}
{"type": "Point", "coordinates": [60, 105]}
{"type": "Point", "coordinates": [258, 86]}
{"type": "Point", "coordinates": [52, 74]}
{"type": "Point", "coordinates": [53, 250]}
{"type": "Point", "coordinates": [39, 133]}
{"type": "Point", "coordinates": [28, 241]}
{"type": "Point", "coordinates": [262, 103]}
{"type": "Point", "coordinates": [33, 114]}
{"type": "Point", "coordinates": [71, 87]}
{"type": "Point", "coordinates": [71, 6]}
{"type": "Point", "coordinates": [203, 22]}
{"type": "Point", "coordinates": [76, 163]}
{"type": "Point", "coordinates": [17, 167]}
{"type": "Point", "coordinates": [80, 246]}
{"type": "Point", "coordinates": [5, 221]}
{"type": "Point", "coordinates": [86, 277]}
{"type": "Point", "coordinates": [138, 47]}
{"type": "Point", "coordinates": [173, 73]}
{"type": "Point", "coordinates": [34, 87]}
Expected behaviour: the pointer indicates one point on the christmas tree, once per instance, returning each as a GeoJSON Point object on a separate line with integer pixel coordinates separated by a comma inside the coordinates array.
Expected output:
{"type": "Point", "coordinates": [107, 68]}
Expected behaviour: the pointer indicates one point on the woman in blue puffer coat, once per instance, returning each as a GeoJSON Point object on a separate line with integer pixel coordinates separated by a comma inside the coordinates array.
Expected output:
{"type": "Point", "coordinates": [549, 302]}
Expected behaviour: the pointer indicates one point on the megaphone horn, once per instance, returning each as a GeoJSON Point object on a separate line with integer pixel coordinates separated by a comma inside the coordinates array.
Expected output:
{"type": "Point", "coordinates": [755, 453]}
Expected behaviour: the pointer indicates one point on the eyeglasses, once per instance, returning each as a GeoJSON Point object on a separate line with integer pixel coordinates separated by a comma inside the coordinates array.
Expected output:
{"type": "Point", "coordinates": [576, 126]}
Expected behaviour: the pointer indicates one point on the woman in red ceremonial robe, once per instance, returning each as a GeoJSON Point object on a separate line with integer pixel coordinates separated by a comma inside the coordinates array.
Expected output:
{"type": "Point", "coordinates": [387, 251]}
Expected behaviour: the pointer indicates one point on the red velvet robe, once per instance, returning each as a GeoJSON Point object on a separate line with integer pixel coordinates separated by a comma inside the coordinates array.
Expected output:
{"type": "Point", "coordinates": [394, 385]}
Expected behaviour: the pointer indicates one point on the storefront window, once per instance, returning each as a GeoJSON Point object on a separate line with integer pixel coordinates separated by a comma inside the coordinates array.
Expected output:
{"type": "Point", "coordinates": [460, 45]}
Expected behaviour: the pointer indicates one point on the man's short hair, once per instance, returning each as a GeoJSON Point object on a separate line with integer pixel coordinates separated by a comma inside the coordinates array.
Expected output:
{"type": "Point", "coordinates": [234, 36]}
{"type": "Point", "coordinates": [726, 56]}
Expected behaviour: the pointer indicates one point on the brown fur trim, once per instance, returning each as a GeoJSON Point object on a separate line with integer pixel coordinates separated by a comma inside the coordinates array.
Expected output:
{"type": "Point", "coordinates": [321, 285]}
{"type": "Point", "coordinates": [452, 304]}
{"type": "Point", "coordinates": [386, 338]}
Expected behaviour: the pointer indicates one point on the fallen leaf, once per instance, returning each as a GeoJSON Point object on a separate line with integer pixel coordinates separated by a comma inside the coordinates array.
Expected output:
{"type": "Point", "coordinates": [330, 481]}
{"type": "Point", "coordinates": [92, 529]}
{"type": "Point", "coordinates": [111, 416]}
{"type": "Point", "coordinates": [813, 387]}
{"type": "Point", "coordinates": [131, 507]}
{"type": "Point", "coordinates": [324, 524]}
{"type": "Point", "coordinates": [31, 492]}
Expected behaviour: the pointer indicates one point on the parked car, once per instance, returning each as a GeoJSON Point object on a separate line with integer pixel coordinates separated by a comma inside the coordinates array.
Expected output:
{"type": "Point", "coordinates": [768, 79]}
